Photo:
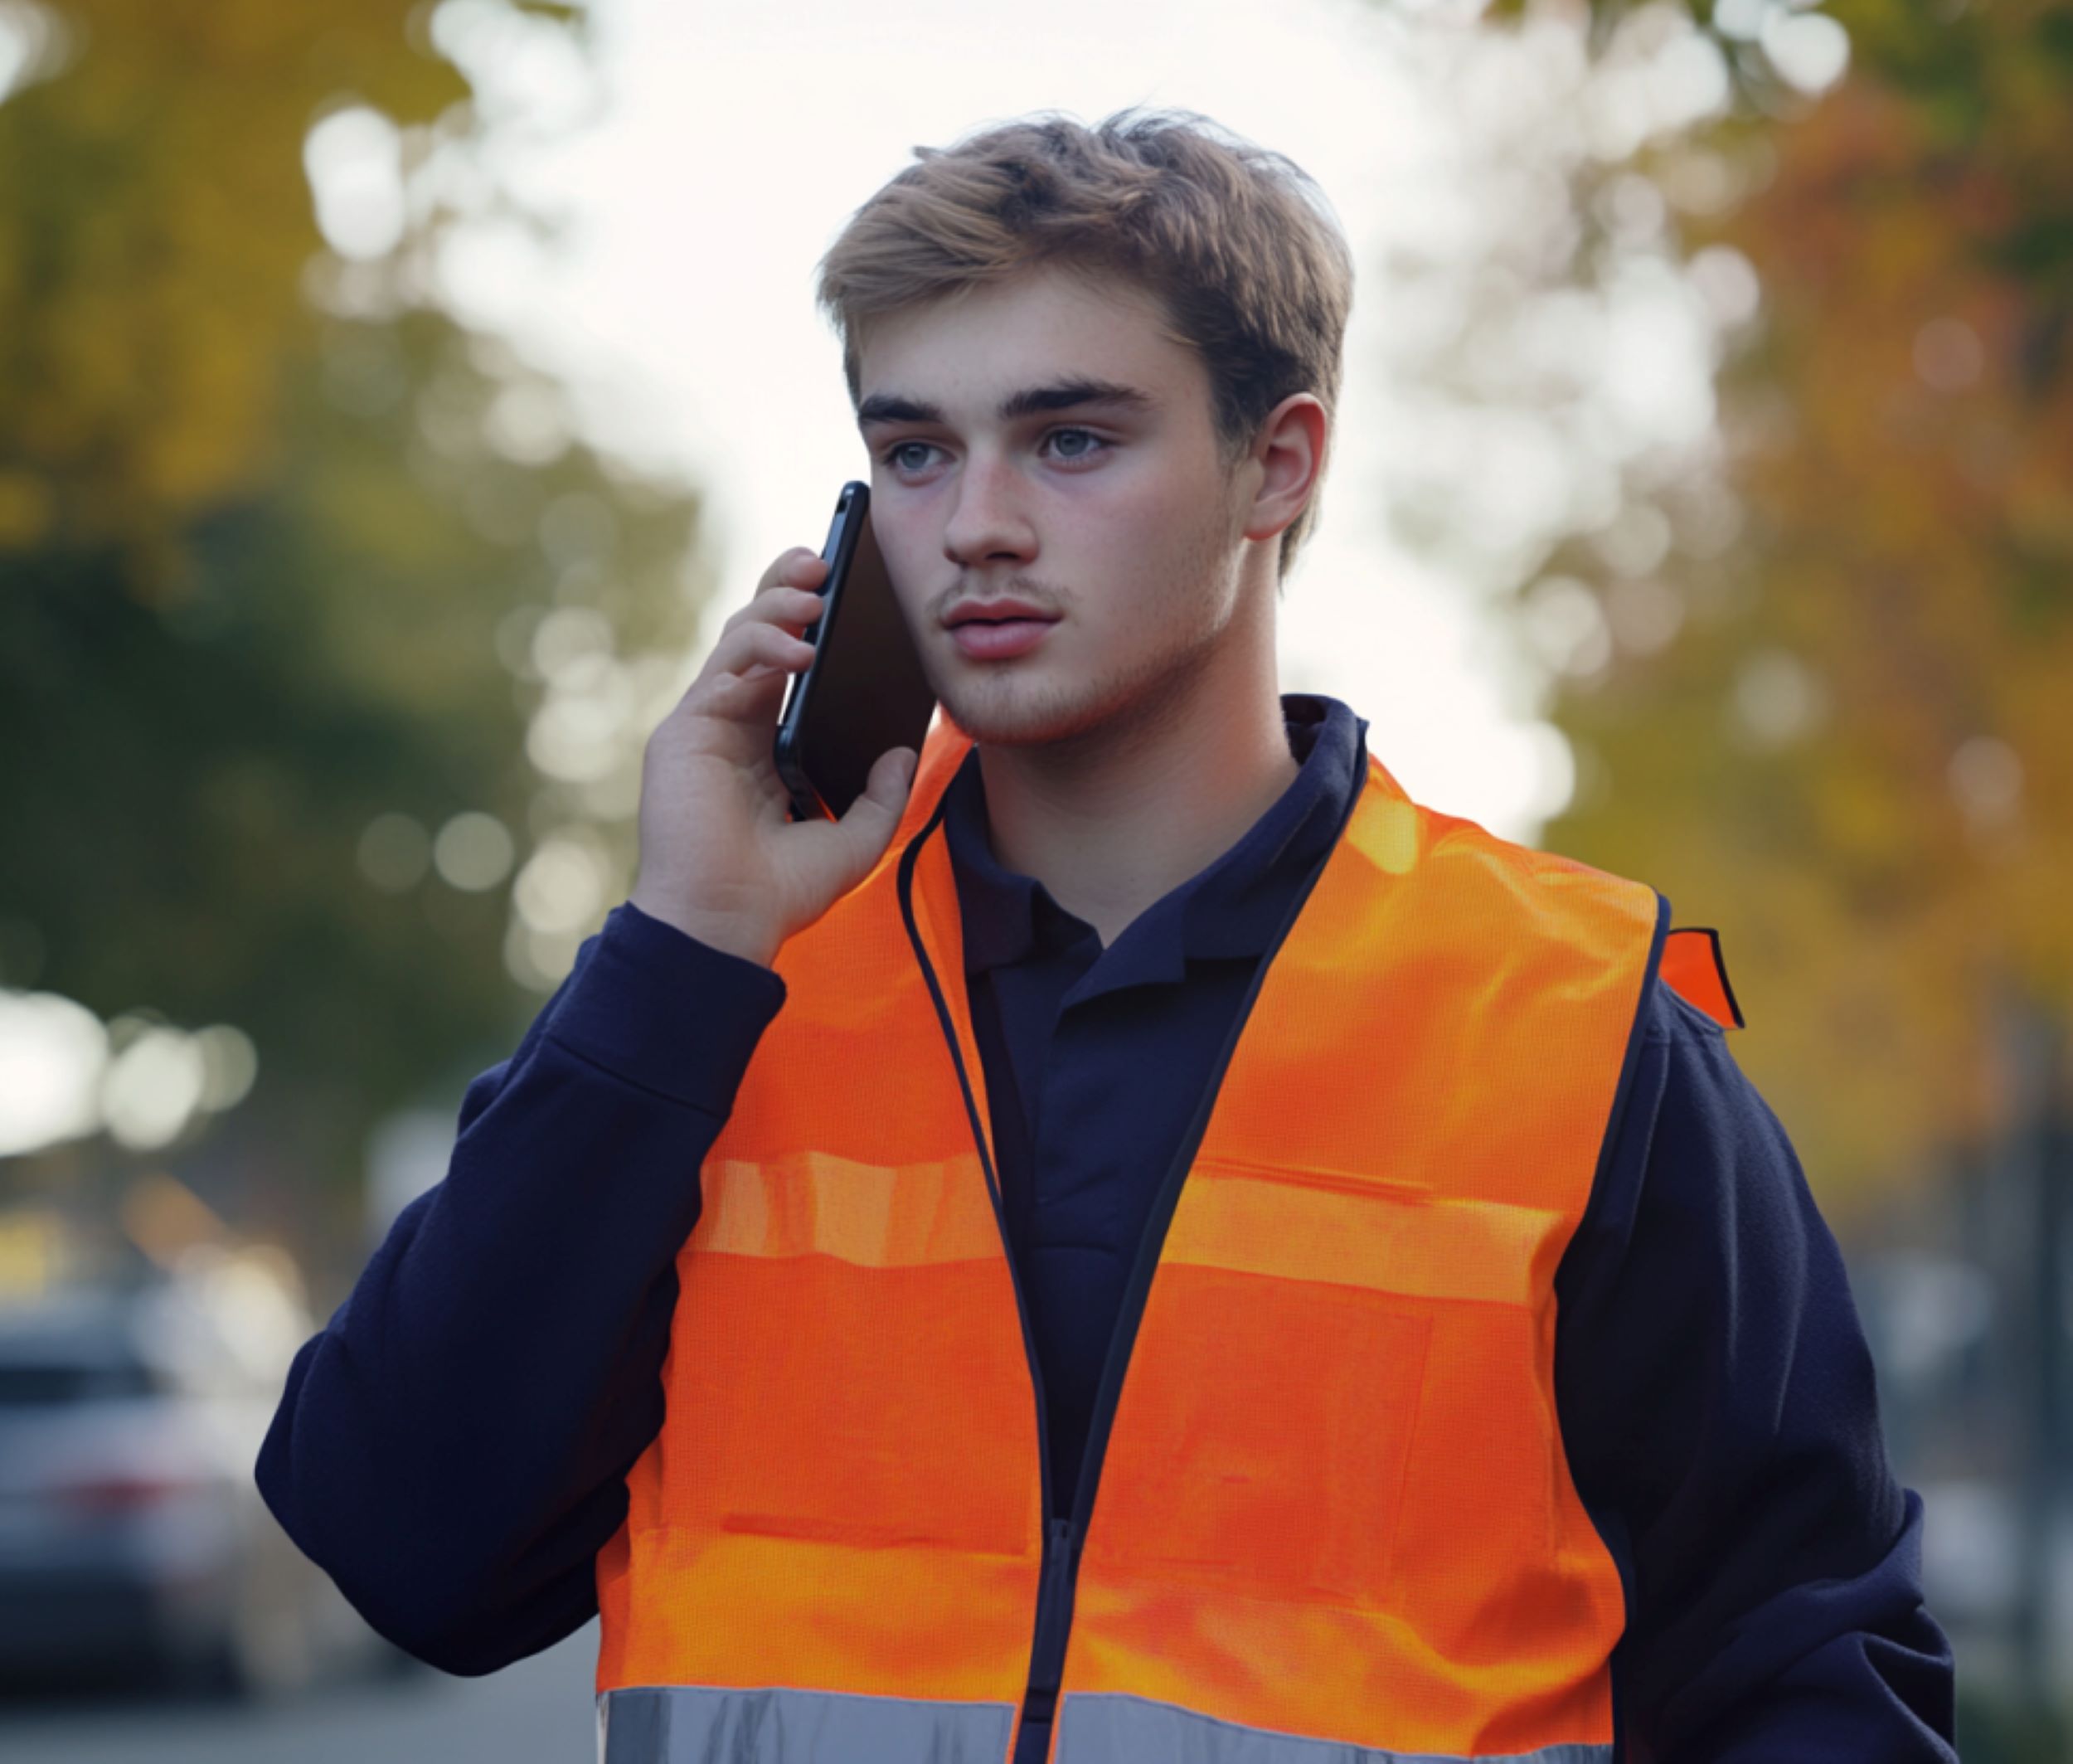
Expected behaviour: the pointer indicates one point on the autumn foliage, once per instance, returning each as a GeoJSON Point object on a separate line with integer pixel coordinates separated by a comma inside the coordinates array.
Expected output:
{"type": "Point", "coordinates": [1856, 757]}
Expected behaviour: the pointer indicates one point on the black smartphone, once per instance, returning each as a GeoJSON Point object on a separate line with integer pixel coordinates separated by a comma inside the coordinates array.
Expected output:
{"type": "Point", "coordinates": [864, 692]}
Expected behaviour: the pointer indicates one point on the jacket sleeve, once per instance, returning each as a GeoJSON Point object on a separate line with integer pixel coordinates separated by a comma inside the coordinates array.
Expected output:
{"type": "Point", "coordinates": [452, 1447]}
{"type": "Point", "coordinates": [1720, 1417]}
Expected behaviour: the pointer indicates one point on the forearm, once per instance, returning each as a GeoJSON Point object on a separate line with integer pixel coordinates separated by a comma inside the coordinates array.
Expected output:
{"type": "Point", "coordinates": [452, 1447]}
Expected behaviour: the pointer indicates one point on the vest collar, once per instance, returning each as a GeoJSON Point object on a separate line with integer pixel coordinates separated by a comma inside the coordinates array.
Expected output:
{"type": "Point", "coordinates": [1232, 910]}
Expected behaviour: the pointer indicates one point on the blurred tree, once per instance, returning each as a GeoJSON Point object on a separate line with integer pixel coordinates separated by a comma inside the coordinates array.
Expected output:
{"type": "Point", "coordinates": [1847, 737]}
{"type": "Point", "coordinates": [318, 627]}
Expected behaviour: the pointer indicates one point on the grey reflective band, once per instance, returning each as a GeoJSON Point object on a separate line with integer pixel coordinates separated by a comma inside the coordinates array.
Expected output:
{"type": "Point", "coordinates": [1112, 1728]}
{"type": "Point", "coordinates": [693, 1724]}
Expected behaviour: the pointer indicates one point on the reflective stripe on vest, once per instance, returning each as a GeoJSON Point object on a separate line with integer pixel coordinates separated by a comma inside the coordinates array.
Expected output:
{"type": "Point", "coordinates": [684, 1724]}
{"type": "Point", "coordinates": [1326, 1512]}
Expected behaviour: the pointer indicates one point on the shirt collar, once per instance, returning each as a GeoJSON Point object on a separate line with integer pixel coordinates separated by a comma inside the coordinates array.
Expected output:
{"type": "Point", "coordinates": [1233, 908]}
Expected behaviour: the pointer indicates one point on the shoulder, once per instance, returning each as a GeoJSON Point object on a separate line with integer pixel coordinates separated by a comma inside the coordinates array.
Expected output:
{"type": "Point", "coordinates": [1673, 1018]}
{"type": "Point", "coordinates": [1708, 1135]}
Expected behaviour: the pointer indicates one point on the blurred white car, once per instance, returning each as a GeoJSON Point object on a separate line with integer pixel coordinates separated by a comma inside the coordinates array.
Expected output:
{"type": "Point", "coordinates": [133, 1540]}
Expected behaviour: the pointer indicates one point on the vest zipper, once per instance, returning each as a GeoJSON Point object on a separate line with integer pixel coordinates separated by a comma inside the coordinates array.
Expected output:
{"type": "Point", "coordinates": [1053, 1590]}
{"type": "Point", "coordinates": [1054, 1622]}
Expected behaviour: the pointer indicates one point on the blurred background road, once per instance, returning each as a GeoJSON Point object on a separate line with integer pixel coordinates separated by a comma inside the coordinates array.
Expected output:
{"type": "Point", "coordinates": [538, 1712]}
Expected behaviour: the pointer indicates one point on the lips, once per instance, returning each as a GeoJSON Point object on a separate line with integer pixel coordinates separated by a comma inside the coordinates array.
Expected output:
{"type": "Point", "coordinates": [996, 612]}
{"type": "Point", "coordinates": [993, 639]}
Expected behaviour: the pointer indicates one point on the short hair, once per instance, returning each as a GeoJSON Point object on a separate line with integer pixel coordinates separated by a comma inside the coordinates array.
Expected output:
{"type": "Point", "coordinates": [1238, 246]}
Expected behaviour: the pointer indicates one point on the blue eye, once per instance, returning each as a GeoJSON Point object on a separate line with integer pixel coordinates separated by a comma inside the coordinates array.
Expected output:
{"type": "Point", "coordinates": [1085, 436]}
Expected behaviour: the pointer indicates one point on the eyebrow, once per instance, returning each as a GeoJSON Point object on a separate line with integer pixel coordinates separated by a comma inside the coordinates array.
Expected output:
{"type": "Point", "coordinates": [1057, 394]}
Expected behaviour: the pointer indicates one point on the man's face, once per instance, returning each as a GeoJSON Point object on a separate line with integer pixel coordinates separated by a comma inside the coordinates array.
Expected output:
{"type": "Point", "coordinates": [1118, 516]}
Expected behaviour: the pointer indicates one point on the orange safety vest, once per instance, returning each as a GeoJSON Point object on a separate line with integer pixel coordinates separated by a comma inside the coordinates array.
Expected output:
{"type": "Point", "coordinates": [1326, 1497]}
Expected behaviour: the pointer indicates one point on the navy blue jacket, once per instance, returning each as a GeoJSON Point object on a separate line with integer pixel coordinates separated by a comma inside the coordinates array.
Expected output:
{"type": "Point", "coordinates": [452, 1447]}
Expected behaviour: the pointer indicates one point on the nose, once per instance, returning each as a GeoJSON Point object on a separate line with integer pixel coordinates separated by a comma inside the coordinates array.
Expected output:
{"type": "Point", "coordinates": [988, 523]}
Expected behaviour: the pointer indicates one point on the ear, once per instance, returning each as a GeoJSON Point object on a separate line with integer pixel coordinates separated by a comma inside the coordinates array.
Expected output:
{"type": "Point", "coordinates": [1290, 453]}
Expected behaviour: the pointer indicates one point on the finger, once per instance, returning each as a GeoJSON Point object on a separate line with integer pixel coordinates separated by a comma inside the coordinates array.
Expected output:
{"type": "Point", "coordinates": [799, 567]}
{"type": "Point", "coordinates": [752, 653]}
{"type": "Point", "coordinates": [772, 593]}
{"type": "Point", "coordinates": [869, 822]}
{"type": "Point", "coordinates": [792, 608]}
{"type": "Point", "coordinates": [757, 641]}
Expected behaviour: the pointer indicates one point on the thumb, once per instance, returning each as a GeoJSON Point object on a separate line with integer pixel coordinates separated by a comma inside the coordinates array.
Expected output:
{"type": "Point", "coordinates": [893, 775]}
{"type": "Point", "coordinates": [875, 816]}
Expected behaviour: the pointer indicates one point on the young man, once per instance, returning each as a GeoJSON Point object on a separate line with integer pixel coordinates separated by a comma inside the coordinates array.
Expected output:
{"type": "Point", "coordinates": [1141, 1241]}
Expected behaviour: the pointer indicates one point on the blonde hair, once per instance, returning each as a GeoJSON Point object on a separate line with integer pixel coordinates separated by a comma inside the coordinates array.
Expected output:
{"type": "Point", "coordinates": [1237, 245]}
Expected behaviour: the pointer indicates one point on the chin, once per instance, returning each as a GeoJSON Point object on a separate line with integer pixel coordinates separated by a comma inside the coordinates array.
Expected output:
{"type": "Point", "coordinates": [1004, 722]}
{"type": "Point", "coordinates": [1026, 713]}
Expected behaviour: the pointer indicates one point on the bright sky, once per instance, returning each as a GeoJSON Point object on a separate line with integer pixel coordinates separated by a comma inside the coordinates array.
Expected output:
{"type": "Point", "coordinates": [734, 142]}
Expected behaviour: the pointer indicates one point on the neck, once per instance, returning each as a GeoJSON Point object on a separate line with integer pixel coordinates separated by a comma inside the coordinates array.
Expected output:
{"type": "Point", "coordinates": [1116, 817]}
